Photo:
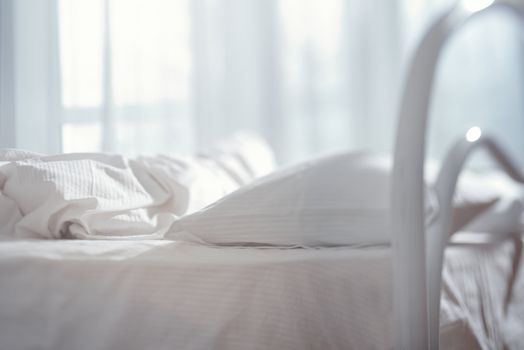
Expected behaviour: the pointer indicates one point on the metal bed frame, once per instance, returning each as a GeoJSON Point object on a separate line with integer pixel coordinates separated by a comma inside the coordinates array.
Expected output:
{"type": "Point", "coordinates": [418, 258]}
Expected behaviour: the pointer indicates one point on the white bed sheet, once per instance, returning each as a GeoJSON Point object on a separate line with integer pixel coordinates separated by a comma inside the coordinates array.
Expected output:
{"type": "Point", "coordinates": [168, 295]}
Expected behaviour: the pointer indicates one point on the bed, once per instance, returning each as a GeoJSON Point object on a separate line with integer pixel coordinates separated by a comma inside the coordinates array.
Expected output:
{"type": "Point", "coordinates": [127, 290]}
{"type": "Point", "coordinates": [75, 294]}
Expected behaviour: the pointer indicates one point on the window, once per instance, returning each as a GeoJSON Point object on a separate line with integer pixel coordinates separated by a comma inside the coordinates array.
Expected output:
{"type": "Point", "coordinates": [126, 68]}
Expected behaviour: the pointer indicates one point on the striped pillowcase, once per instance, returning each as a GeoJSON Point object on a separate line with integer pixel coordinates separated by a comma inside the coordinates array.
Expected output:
{"type": "Point", "coordinates": [337, 200]}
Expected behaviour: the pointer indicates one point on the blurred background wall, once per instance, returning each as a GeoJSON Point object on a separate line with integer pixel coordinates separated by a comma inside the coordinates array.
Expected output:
{"type": "Point", "coordinates": [311, 76]}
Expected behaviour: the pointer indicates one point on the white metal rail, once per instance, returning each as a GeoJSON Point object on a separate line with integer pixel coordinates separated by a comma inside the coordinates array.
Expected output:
{"type": "Point", "coordinates": [417, 258]}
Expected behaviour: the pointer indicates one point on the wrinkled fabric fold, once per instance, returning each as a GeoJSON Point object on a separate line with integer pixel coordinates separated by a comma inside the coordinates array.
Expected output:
{"type": "Point", "coordinates": [103, 196]}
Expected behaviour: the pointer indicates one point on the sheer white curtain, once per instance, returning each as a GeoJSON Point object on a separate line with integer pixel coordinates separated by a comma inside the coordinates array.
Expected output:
{"type": "Point", "coordinates": [126, 75]}
{"type": "Point", "coordinates": [163, 76]}
{"type": "Point", "coordinates": [311, 76]}
{"type": "Point", "coordinates": [30, 112]}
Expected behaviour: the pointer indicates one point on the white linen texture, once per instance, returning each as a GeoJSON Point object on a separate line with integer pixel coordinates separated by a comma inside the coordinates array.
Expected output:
{"type": "Point", "coordinates": [162, 295]}
{"type": "Point", "coordinates": [335, 200]}
{"type": "Point", "coordinates": [111, 197]}
{"type": "Point", "coordinates": [340, 200]}
{"type": "Point", "coordinates": [211, 198]}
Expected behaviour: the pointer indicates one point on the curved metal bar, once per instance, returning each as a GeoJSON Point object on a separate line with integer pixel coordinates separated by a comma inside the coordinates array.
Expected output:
{"type": "Point", "coordinates": [411, 318]}
{"type": "Point", "coordinates": [438, 233]}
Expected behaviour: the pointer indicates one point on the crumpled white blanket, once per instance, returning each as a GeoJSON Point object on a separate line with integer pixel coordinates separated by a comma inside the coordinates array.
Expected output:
{"type": "Point", "coordinates": [102, 196]}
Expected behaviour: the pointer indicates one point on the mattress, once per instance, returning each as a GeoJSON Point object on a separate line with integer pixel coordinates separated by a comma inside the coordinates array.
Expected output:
{"type": "Point", "coordinates": [73, 294]}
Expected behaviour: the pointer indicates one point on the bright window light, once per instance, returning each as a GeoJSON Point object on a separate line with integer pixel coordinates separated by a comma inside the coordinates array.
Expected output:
{"type": "Point", "coordinates": [81, 137]}
{"type": "Point", "coordinates": [81, 32]}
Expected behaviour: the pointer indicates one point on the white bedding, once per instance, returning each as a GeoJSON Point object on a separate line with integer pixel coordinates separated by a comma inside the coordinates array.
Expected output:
{"type": "Point", "coordinates": [72, 294]}
{"type": "Point", "coordinates": [345, 197]}
{"type": "Point", "coordinates": [104, 196]}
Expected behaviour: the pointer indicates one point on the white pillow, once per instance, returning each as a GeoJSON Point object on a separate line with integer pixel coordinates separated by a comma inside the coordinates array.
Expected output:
{"type": "Point", "coordinates": [244, 156]}
{"type": "Point", "coordinates": [336, 200]}
{"type": "Point", "coordinates": [210, 175]}
{"type": "Point", "coordinates": [486, 201]}
{"type": "Point", "coordinates": [507, 198]}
